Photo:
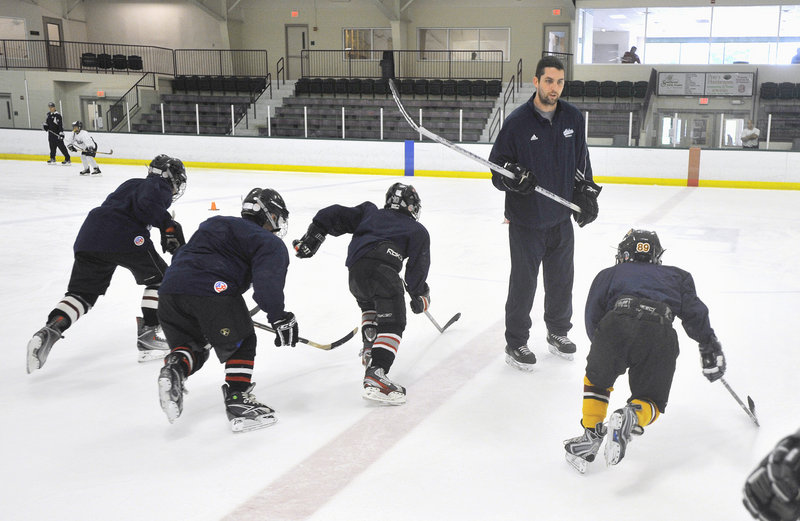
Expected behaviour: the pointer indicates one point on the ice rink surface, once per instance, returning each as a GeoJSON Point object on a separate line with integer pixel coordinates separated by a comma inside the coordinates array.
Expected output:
{"type": "Point", "coordinates": [84, 437]}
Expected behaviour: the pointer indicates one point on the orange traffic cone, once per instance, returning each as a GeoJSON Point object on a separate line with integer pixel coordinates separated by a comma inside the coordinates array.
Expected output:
{"type": "Point", "coordinates": [213, 206]}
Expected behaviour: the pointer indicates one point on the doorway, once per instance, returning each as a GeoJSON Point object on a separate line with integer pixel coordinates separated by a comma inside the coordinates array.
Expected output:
{"type": "Point", "coordinates": [54, 41]}
{"type": "Point", "coordinates": [92, 113]}
{"type": "Point", "coordinates": [296, 42]}
{"type": "Point", "coordinates": [6, 111]}
{"type": "Point", "coordinates": [687, 129]}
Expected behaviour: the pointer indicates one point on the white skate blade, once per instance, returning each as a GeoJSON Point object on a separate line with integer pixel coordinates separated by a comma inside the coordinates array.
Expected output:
{"type": "Point", "coordinates": [374, 394]}
{"type": "Point", "coordinates": [577, 462]}
{"type": "Point", "coordinates": [252, 424]}
{"type": "Point", "coordinates": [152, 354]}
{"type": "Point", "coordinates": [518, 365]}
{"type": "Point", "coordinates": [33, 345]}
{"type": "Point", "coordinates": [555, 351]}
{"type": "Point", "coordinates": [169, 406]}
{"type": "Point", "coordinates": [613, 451]}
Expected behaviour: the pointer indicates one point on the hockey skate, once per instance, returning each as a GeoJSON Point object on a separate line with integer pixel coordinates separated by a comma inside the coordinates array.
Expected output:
{"type": "Point", "coordinates": [622, 424]}
{"type": "Point", "coordinates": [520, 357]}
{"type": "Point", "coordinates": [39, 346]}
{"type": "Point", "coordinates": [84, 172]}
{"type": "Point", "coordinates": [96, 171]}
{"type": "Point", "coordinates": [245, 412]}
{"type": "Point", "coordinates": [378, 388]}
{"type": "Point", "coordinates": [582, 450]}
{"type": "Point", "coordinates": [170, 387]}
{"type": "Point", "coordinates": [561, 346]}
{"type": "Point", "coordinates": [151, 345]}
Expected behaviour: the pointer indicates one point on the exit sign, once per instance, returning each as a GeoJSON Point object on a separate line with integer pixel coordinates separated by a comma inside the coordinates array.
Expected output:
{"type": "Point", "coordinates": [556, 12]}
{"type": "Point", "coordinates": [704, 101]}
{"type": "Point", "coordinates": [295, 14]}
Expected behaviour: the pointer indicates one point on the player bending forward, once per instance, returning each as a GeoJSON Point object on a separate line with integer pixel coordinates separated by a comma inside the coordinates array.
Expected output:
{"type": "Point", "coordinates": [382, 240]}
{"type": "Point", "coordinates": [83, 141]}
{"type": "Point", "coordinates": [772, 490]}
{"type": "Point", "coordinates": [629, 313]}
{"type": "Point", "coordinates": [201, 302]}
{"type": "Point", "coordinates": [117, 233]}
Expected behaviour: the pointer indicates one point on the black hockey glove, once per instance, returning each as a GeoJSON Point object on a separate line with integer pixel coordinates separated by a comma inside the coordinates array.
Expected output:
{"type": "Point", "coordinates": [585, 196]}
{"type": "Point", "coordinates": [286, 330]}
{"type": "Point", "coordinates": [61, 136]}
{"type": "Point", "coordinates": [524, 181]}
{"type": "Point", "coordinates": [420, 303]}
{"type": "Point", "coordinates": [90, 151]}
{"type": "Point", "coordinates": [172, 237]}
{"type": "Point", "coordinates": [713, 359]}
{"type": "Point", "coordinates": [772, 490]}
{"type": "Point", "coordinates": [309, 243]}
{"type": "Point", "coordinates": [72, 148]}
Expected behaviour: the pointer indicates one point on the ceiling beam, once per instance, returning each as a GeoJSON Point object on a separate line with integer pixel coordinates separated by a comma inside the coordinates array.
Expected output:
{"type": "Point", "coordinates": [208, 10]}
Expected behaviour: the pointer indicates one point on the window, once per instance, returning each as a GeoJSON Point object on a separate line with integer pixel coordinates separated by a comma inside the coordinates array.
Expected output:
{"type": "Point", "coordinates": [366, 44]}
{"type": "Point", "coordinates": [464, 39]}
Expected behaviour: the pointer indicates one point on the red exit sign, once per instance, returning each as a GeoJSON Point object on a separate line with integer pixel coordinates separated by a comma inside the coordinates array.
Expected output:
{"type": "Point", "coordinates": [556, 12]}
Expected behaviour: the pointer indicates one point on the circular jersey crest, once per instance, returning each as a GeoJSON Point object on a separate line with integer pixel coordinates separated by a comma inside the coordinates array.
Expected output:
{"type": "Point", "coordinates": [220, 286]}
{"type": "Point", "coordinates": [138, 240]}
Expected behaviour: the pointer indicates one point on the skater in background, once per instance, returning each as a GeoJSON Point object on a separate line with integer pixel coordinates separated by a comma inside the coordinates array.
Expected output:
{"type": "Point", "coordinates": [117, 233]}
{"type": "Point", "coordinates": [80, 139]}
{"type": "Point", "coordinates": [54, 126]}
{"type": "Point", "coordinates": [382, 240]}
{"type": "Point", "coordinates": [772, 490]}
{"type": "Point", "coordinates": [201, 303]}
{"type": "Point", "coordinates": [629, 314]}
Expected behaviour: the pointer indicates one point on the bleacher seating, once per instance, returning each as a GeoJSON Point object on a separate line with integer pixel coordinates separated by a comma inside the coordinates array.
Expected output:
{"type": "Point", "coordinates": [787, 90]}
{"type": "Point", "coordinates": [608, 89]}
{"type": "Point", "coordinates": [252, 86]}
{"type": "Point", "coordinates": [640, 89]}
{"type": "Point", "coordinates": [769, 90]}
{"type": "Point", "coordinates": [180, 114]}
{"type": "Point", "coordinates": [624, 89]}
{"type": "Point", "coordinates": [591, 89]}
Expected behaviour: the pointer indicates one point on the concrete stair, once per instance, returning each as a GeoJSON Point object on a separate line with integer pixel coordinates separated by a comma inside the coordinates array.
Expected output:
{"type": "Point", "coordinates": [257, 114]}
{"type": "Point", "coordinates": [521, 96]}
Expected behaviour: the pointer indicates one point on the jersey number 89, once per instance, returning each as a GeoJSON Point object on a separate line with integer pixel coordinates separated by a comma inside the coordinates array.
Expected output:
{"type": "Point", "coordinates": [643, 247]}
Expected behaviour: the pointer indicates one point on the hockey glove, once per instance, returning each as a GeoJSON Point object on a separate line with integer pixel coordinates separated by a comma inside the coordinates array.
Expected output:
{"type": "Point", "coordinates": [286, 330]}
{"type": "Point", "coordinates": [309, 243]}
{"type": "Point", "coordinates": [172, 237]}
{"type": "Point", "coordinates": [585, 196]}
{"type": "Point", "coordinates": [90, 151]}
{"type": "Point", "coordinates": [713, 359]}
{"type": "Point", "coordinates": [772, 491]}
{"type": "Point", "coordinates": [420, 303]}
{"type": "Point", "coordinates": [524, 181]}
{"type": "Point", "coordinates": [72, 148]}
{"type": "Point", "coordinates": [61, 136]}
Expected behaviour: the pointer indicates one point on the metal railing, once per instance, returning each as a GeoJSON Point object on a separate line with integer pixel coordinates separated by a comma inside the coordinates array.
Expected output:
{"type": "Point", "coordinates": [221, 62]}
{"type": "Point", "coordinates": [280, 72]}
{"type": "Point", "coordinates": [119, 112]}
{"type": "Point", "coordinates": [500, 115]}
{"type": "Point", "coordinates": [446, 64]}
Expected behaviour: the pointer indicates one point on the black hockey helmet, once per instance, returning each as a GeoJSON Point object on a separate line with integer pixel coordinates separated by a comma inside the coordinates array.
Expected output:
{"type": "Point", "coordinates": [266, 206]}
{"type": "Point", "coordinates": [640, 246]}
{"type": "Point", "coordinates": [171, 169]}
{"type": "Point", "coordinates": [404, 199]}
{"type": "Point", "coordinates": [78, 124]}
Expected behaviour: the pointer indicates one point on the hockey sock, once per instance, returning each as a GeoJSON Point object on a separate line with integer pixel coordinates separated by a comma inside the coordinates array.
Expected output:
{"type": "Point", "coordinates": [384, 350]}
{"type": "Point", "coordinates": [648, 412]}
{"type": "Point", "coordinates": [150, 306]}
{"type": "Point", "coordinates": [595, 403]}
{"type": "Point", "coordinates": [72, 307]}
{"type": "Point", "coordinates": [239, 367]}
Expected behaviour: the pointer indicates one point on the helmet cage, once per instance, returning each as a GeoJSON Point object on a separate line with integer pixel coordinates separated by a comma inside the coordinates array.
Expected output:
{"type": "Point", "coordinates": [172, 170]}
{"type": "Point", "coordinates": [264, 206]}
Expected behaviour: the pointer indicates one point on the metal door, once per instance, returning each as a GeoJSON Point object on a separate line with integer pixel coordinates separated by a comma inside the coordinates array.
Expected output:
{"type": "Point", "coordinates": [54, 41]}
{"type": "Point", "coordinates": [296, 42]}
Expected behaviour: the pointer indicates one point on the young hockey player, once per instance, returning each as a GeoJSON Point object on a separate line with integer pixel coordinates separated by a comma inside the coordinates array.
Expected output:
{"type": "Point", "coordinates": [772, 490]}
{"type": "Point", "coordinates": [53, 125]}
{"type": "Point", "coordinates": [116, 233]}
{"type": "Point", "coordinates": [81, 140]}
{"type": "Point", "coordinates": [629, 313]}
{"type": "Point", "coordinates": [201, 303]}
{"type": "Point", "coordinates": [382, 240]}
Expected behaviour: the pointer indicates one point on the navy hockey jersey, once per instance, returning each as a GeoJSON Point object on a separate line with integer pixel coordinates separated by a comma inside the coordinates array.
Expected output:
{"type": "Point", "coordinates": [224, 257]}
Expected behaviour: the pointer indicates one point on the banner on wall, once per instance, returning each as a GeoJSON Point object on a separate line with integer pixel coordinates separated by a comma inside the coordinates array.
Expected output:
{"type": "Point", "coordinates": [705, 83]}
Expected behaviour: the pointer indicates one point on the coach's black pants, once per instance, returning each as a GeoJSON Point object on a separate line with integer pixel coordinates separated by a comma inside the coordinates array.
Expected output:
{"type": "Point", "coordinates": [55, 142]}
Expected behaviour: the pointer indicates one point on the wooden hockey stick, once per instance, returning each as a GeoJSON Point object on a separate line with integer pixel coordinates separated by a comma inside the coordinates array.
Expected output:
{"type": "Point", "coordinates": [325, 347]}
{"type": "Point", "coordinates": [751, 410]}
{"type": "Point", "coordinates": [448, 324]}
{"type": "Point", "coordinates": [485, 162]}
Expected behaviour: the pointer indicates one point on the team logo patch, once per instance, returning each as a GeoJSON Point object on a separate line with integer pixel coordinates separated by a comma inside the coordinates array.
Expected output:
{"type": "Point", "coordinates": [224, 331]}
{"type": "Point", "coordinates": [138, 240]}
{"type": "Point", "coordinates": [220, 286]}
{"type": "Point", "coordinates": [568, 132]}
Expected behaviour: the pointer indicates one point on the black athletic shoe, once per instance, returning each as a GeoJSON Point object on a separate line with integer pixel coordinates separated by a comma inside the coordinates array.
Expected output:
{"type": "Point", "coordinates": [245, 412]}
{"type": "Point", "coordinates": [51, 161]}
{"type": "Point", "coordinates": [66, 162]}
{"type": "Point", "coordinates": [520, 357]}
{"type": "Point", "coordinates": [561, 346]}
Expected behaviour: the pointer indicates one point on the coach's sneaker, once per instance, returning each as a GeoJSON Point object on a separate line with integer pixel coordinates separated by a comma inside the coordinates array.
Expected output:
{"type": "Point", "coordinates": [520, 357]}
{"type": "Point", "coordinates": [151, 344]}
{"type": "Point", "coordinates": [170, 386]}
{"type": "Point", "coordinates": [245, 412]}
{"type": "Point", "coordinates": [378, 387]}
{"type": "Point", "coordinates": [39, 346]}
{"type": "Point", "coordinates": [582, 450]}
{"type": "Point", "coordinates": [67, 162]}
{"type": "Point", "coordinates": [561, 346]}
{"type": "Point", "coordinates": [622, 424]}
{"type": "Point", "coordinates": [51, 161]}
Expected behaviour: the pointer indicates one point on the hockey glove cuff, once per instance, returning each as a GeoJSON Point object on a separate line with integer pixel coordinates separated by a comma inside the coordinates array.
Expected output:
{"type": "Point", "coordinates": [310, 242]}
{"type": "Point", "coordinates": [524, 181]}
{"type": "Point", "coordinates": [420, 303]}
{"type": "Point", "coordinates": [172, 237]}
{"type": "Point", "coordinates": [286, 330]}
{"type": "Point", "coordinates": [712, 359]}
{"type": "Point", "coordinates": [585, 196]}
{"type": "Point", "coordinates": [772, 491]}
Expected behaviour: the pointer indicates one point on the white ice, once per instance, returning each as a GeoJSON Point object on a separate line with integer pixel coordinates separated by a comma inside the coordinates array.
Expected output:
{"type": "Point", "coordinates": [84, 437]}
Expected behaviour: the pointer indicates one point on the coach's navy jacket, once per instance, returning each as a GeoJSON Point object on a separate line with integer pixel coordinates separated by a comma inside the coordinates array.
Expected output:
{"type": "Point", "coordinates": [371, 226]}
{"type": "Point", "coordinates": [668, 284]}
{"type": "Point", "coordinates": [121, 224]}
{"type": "Point", "coordinates": [554, 152]}
{"type": "Point", "coordinates": [224, 256]}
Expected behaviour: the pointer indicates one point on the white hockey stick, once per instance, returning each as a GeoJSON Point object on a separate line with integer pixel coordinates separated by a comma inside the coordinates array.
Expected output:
{"type": "Point", "coordinates": [448, 324]}
{"type": "Point", "coordinates": [485, 162]}
{"type": "Point", "coordinates": [750, 408]}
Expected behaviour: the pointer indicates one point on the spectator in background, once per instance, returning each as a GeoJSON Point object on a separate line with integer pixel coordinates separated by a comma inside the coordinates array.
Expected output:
{"type": "Point", "coordinates": [796, 57]}
{"type": "Point", "coordinates": [750, 136]}
{"type": "Point", "coordinates": [631, 56]}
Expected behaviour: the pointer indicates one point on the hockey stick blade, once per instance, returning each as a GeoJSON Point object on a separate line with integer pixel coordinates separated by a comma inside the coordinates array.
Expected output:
{"type": "Point", "coordinates": [324, 347]}
{"type": "Point", "coordinates": [485, 162]}
{"type": "Point", "coordinates": [751, 411]}
{"type": "Point", "coordinates": [449, 322]}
